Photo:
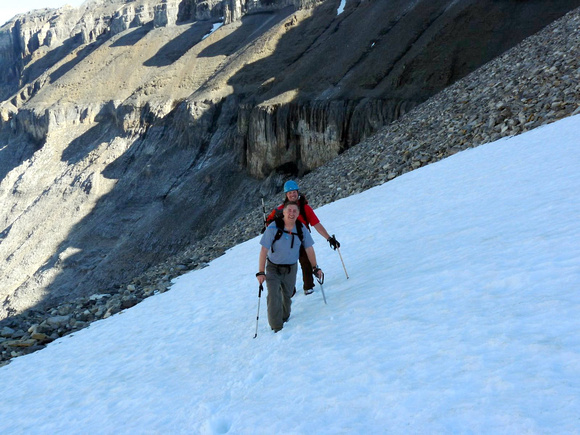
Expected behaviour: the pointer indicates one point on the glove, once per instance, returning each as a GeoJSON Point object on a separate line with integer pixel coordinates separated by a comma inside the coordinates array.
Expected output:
{"type": "Point", "coordinates": [333, 242]}
{"type": "Point", "coordinates": [318, 273]}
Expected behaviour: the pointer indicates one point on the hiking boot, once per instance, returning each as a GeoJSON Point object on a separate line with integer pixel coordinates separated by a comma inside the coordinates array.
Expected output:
{"type": "Point", "coordinates": [276, 330]}
{"type": "Point", "coordinates": [308, 291]}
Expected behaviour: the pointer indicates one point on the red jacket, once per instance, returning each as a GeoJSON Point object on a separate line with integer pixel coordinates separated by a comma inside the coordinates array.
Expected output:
{"type": "Point", "coordinates": [308, 218]}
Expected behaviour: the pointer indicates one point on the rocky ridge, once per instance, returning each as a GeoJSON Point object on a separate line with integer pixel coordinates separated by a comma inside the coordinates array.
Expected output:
{"type": "Point", "coordinates": [535, 83]}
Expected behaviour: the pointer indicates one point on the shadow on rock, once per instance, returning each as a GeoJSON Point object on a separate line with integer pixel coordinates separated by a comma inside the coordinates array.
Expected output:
{"type": "Point", "coordinates": [252, 27]}
{"type": "Point", "coordinates": [80, 147]}
{"type": "Point", "coordinates": [178, 46]}
{"type": "Point", "coordinates": [82, 54]}
{"type": "Point", "coordinates": [15, 151]}
{"type": "Point", "coordinates": [133, 37]}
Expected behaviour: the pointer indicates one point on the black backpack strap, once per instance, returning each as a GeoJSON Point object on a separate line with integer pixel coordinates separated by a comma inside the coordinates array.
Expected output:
{"type": "Point", "coordinates": [298, 233]}
{"type": "Point", "coordinates": [302, 201]}
{"type": "Point", "coordinates": [300, 230]}
{"type": "Point", "coordinates": [279, 231]}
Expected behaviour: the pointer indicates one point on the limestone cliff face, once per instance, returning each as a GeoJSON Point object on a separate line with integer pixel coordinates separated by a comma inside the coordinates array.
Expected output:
{"type": "Point", "coordinates": [300, 136]}
{"type": "Point", "coordinates": [201, 10]}
{"type": "Point", "coordinates": [129, 130]}
{"type": "Point", "coordinates": [236, 9]}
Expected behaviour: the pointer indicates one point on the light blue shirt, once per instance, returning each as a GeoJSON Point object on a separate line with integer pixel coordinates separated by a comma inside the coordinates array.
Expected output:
{"type": "Point", "coordinates": [284, 252]}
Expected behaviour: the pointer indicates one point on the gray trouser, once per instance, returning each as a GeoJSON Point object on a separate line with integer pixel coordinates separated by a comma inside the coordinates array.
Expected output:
{"type": "Point", "coordinates": [280, 280]}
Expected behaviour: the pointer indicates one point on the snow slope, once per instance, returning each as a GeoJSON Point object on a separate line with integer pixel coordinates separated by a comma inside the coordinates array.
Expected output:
{"type": "Point", "coordinates": [460, 316]}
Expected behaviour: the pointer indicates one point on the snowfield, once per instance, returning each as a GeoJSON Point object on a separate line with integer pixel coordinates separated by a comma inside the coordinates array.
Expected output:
{"type": "Point", "coordinates": [461, 315]}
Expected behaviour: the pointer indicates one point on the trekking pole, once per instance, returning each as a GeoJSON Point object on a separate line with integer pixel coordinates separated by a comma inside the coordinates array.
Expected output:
{"type": "Point", "coordinates": [264, 213]}
{"type": "Point", "coordinates": [321, 281]}
{"type": "Point", "coordinates": [343, 266]}
{"type": "Point", "coordinates": [258, 315]}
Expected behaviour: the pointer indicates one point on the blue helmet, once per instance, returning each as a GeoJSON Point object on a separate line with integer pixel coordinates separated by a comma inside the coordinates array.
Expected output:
{"type": "Point", "coordinates": [289, 186]}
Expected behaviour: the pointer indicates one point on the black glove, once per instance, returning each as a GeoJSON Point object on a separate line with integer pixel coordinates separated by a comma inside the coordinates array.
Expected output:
{"type": "Point", "coordinates": [318, 273]}
{"type": "Point", "coordinates": [333, 242]}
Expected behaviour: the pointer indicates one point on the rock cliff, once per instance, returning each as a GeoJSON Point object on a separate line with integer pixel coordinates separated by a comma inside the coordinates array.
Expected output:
{"type": "Point", "coordinates": [130, 130]}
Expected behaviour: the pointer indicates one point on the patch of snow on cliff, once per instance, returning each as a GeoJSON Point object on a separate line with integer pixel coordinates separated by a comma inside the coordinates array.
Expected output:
{"type": "Point", "coordinates": [214, 28]}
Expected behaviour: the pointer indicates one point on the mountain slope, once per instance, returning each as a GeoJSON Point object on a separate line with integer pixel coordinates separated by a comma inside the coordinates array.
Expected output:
{"type": "Point", "coordinates": [460, 315]}
{"type": "Point", "coordinates": [128, 135]}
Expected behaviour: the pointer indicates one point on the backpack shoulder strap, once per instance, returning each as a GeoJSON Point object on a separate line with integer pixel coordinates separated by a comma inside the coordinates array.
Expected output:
{"type": "Point", "coordinates": [302, 205]}
{"type": "Point", "coordinates": [300, 230]}
{"type": "Point", "coordinates": [279, 230]}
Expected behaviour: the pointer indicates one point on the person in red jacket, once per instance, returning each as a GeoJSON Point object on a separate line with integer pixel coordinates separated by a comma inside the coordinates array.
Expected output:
{"type": "Point", "coordinates": [308, 218]}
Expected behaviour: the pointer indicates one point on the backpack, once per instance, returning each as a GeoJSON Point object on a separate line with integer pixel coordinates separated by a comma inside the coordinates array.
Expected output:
{"type": "Point", "coordinates": [280, 230]}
